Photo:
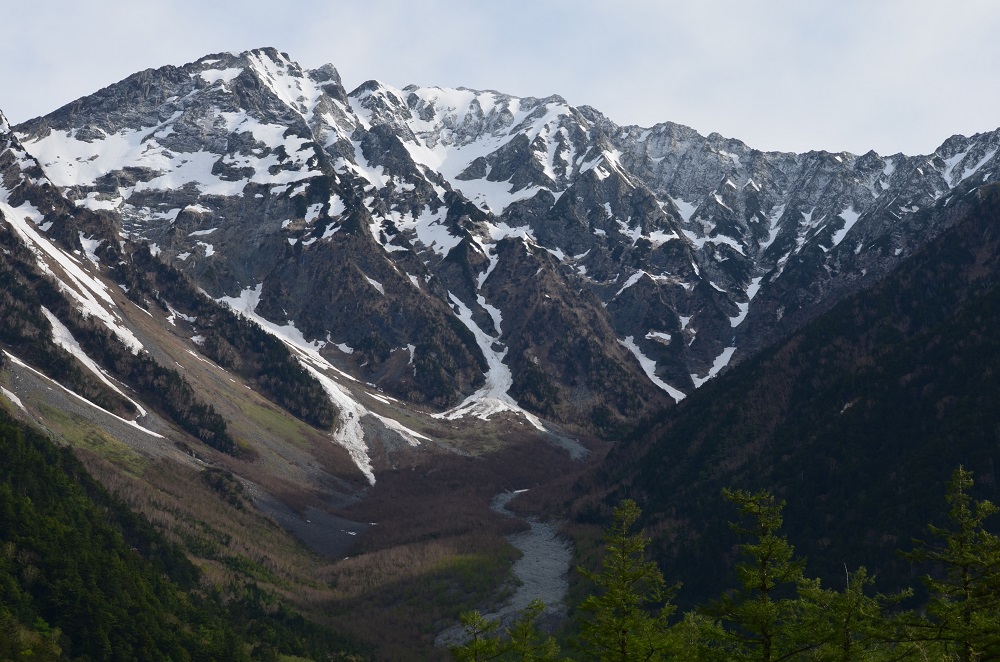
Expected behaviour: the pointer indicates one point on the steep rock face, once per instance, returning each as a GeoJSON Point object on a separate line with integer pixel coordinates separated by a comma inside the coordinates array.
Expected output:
{"type": "Point", "coordinates": [565, 358]}
{"type": "Point", "coordinates": [29, 328]}
{"type": "Point", "coordinates": [25, 187]}
{"type": "Point", "coordinates": [256, 176]}
{"type": "Point", "coordinates": [398, 331]}
{"type": "Point", "coordinates": [134, 348]}
{"type": "Point", "coordinates": [226, 167]}
{"type": "Point", "coordinates": [61, 316]}
{"type": "Point", "coordinates": [265, 182]}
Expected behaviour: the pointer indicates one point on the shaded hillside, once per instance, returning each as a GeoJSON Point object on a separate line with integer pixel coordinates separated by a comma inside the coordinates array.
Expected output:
{"type": "Point", "coordinates": [76, 564]}
{"type": "Point", "coordinates": [857, 420]}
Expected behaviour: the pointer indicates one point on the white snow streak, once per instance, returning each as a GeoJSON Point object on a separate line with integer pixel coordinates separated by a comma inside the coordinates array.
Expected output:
{"type": "Point", "coordinates": [721, 361]}
{"type": "Point", "coordinates": [632, 280]}
{"type": "Point", "coordinates": [649, 367]}
{"type": "Point", "coordinates": [492, 398]}
{"type": "Point", "coordinates": [745, 307]}
{"type": "Point", "coordinates": [64, 338]}
{"type": "Point", "coordinates": [968, 172]}
{"type": "Point", "coordinates": [377, 285]}
{"type": "Point", "coordinates": [79, 397]}
{"type": "Point", "coordinates": [90, 247]}
{"type": "Point", "coordinates": [351, 413]}
{"type": "Point", "coordinates": [850, 218]}
{"type": "Point", "coordinates": [13, 398]}
{"type": "Point", "coordinates": [92, 296]}
{"type": "Point", "coordinates": [774, 217]}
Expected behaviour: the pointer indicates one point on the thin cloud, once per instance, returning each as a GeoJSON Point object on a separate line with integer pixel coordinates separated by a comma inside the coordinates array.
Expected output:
{"type": "Point", "coordinates": [889, 75]}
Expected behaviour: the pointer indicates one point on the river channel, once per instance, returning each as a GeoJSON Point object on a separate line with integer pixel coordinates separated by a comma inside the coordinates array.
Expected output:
{"type": "Point", "coordinates": [542, 571]}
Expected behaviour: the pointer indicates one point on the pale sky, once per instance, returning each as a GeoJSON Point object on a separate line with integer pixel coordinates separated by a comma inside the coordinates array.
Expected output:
{"type": "Point", "coordinates": [793, 75]}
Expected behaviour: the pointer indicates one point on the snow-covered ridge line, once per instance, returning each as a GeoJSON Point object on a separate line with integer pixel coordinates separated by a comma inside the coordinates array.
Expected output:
{"type": "Point", "coordinates": [703, 216]}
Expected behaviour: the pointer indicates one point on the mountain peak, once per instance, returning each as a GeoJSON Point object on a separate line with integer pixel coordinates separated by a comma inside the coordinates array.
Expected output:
{"type": "Point", "coordinates": [249, 173]}
{"type": "Point", "coordinates": [326, 74]}
{"type": "Point", "coordinates": [370, 87]}
{"type": "Point", "coordinates": [270, 53]}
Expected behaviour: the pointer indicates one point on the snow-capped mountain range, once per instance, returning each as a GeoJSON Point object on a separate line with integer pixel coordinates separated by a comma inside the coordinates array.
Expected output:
{"type": "Point", "coordinates": [470, 252]}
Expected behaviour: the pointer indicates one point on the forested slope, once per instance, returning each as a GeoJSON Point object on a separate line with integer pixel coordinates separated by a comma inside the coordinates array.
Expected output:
{"type": "Point", "coordinates": [81, 576]}
{"type": "Point", "coordinates": [857, 420]}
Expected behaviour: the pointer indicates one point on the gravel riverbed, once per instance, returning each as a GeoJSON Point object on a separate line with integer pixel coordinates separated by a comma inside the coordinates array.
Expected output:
{"type": "Point", "coordinates": [542, 571]}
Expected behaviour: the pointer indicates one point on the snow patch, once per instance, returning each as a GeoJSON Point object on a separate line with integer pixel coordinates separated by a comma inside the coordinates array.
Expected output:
{"type": "Point", "coordinates": [337, 205]}
{"type": "Point", "coordinates": [313, 212]}
{"type": "Point", "coordinates": [377, 285]}
{"type": "Point", "coordinates": [632, 280]}
{"type": "Point", "coordinates": [949, 166]}
{"type": "Point", "coordinates": [968, 172]}
{"type": "Point", "coordinates": [850, 218]}
{"type": "Point", "coordinates": [492, 398]}
{"type": "Point", "coordinates": [728, 241]}
{"type": "Point", "coordinates": [224, 75]}
{"type": "Point", "coordinates": [90, 247]}
{"type": "Point", "coordinates": [13, 398]}
{"type": "Point", "coordinates": [745, 307]}
{"type": "Point", "coordinates": [721, 361]}
{"type": "Point", "coordinates": [62, 337]}
{"type": "Point", "coordinates": [91, 295]}
{"type": "Point", "coordinates": [79, 397]}
{"type": "Point", "coordinates": [431, 230]}
{"type": "Point", "coordinates": [649, 367]}
{"type": "Point", "coordinates": [718, 200]}
{"type": "Point", "coordinates": [774, 217]}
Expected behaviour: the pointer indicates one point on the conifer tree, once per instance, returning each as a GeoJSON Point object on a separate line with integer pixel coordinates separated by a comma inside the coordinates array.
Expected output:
{"type": "Point", "coordinates": [964, 607]}
{"type": "Point", "coordinates": [527, 643]}
{"type": "Point", "coordinates": [763, 619]}
{"type": "Point", "coordinates": [626, 619]}
{"type": "Point", "coordinates": [484, 640]}
{"type": "Point", "coordinates": [696, 638]}
{"type": "Point", "coordinates": [524, 641]}
{"type": "Point", "coordinates": [851, 625]}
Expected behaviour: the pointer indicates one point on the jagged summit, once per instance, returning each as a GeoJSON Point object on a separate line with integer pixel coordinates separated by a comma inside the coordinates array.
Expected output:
{"type": "Point", "coordinates": [376, 224]}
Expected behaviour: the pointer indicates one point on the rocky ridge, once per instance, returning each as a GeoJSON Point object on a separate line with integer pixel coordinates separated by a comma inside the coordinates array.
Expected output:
{"type": "Point", "coordinates": [396, 229]}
